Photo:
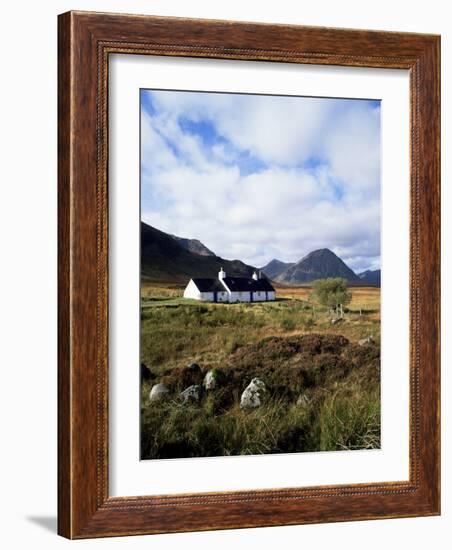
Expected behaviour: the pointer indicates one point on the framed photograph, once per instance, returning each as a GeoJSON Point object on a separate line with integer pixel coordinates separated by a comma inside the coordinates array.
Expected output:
{"type": "Point", "coordinates": [248, 275]}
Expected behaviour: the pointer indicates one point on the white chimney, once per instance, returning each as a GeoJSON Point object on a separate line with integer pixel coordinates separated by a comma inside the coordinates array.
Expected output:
{"type": "Point", "coordinates": [255, 276]}
{"type": "Point", "coordinates": [221, 274]}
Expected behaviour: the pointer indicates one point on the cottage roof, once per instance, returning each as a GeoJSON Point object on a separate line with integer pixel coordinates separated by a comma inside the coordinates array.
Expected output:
{"type": "Point", "coordinates": [240, 284]}
{"type": "Point", "coordinates": [263, 284]}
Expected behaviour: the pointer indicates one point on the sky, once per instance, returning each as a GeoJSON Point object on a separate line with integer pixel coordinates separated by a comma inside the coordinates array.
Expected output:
{"type": "Point", "coordinates": [257, 177]}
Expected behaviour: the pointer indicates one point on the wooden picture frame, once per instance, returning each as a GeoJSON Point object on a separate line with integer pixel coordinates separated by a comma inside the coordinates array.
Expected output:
{"type": "Point", "coordinates": [85, 42]}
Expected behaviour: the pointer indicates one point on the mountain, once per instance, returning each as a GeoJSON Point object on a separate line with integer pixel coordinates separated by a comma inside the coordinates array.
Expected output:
{"type": "Point", "coordinates": [318, 264]}
{"type": "Point", "coordinates": [370, 277]}
{"type": "Point", "coordinates": [193, 245]}
{"type": "Point", "coordinates": [165, 259]}
{"type": "Point", "coordinates": [274, 268]}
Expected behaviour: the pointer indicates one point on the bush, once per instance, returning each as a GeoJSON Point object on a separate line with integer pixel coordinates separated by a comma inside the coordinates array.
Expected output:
{"type": "Point", "coordinates": [308, 323]}
{"type": "Point", "coordinates": [331, 292]}
{"type": "Point", "coordinates": [288, 323]}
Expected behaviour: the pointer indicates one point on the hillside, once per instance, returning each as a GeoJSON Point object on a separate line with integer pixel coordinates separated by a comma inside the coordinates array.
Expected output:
{"type": "Point", "coordinates": [275, 268]}
{"type": "Point", "coordinates": [318, 264]}
{"type": "Point", "coordinates": [165, 259]}
{"type": "Point", "coordinates": [372, 278]}
{"type": "Point", "coordinates": [193, 245]}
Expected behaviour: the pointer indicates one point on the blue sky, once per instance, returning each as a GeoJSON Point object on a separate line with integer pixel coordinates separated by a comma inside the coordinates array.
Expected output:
{"type": "Point", "coordinates": [260, 177]}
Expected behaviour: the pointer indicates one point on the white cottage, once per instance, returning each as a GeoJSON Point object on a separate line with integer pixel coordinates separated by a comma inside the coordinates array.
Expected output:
{"type": "Point", "coordinates": [230, 289]}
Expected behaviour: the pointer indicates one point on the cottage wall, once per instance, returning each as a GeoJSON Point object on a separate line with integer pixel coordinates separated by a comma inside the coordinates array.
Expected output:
{"type": "Point", "coordinates": [223, 296]}
{"type": "Point", "coordinates": [259, 296]}
{"type": "Point", "coordinates": [271, 295]}
{"type": "Point", "coordinates": [243, 296]}
{"type": "Point", "coordinates": [191, 291]}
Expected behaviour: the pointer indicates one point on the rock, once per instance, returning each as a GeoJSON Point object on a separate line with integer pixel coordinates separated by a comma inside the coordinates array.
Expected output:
{"type": "Point", "coordinates": [336, 321]}
{"type": "Point", "coordinates": [145, 373]}
{"type": "Point", "coordinates": [212, 379]}
{"type": "Point", "coordinates": [303, 400]}
{"type": "Point", "coordinates": [194, 367]}
{"type": "Point", "coordinates": [253, 395]}
{"type": "Point", "coordinates": [366, 341]}
{"type": "Point", "coordinates": [158, 392]}
{"type": "Point", "coordinates": [192, 394]}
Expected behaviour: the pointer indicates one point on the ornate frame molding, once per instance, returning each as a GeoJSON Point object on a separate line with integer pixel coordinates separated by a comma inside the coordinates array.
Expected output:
{"type": "Point", "coordinates": [85, 42]}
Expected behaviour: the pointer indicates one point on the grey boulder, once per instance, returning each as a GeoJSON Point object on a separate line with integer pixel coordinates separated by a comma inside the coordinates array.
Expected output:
{"type": "Point", "coordinates": [158, 392]}
{"type": "Point", "coordinates": [303, 400]}
{"type": "Point", "coordinates": [253, 395]}
{"type": "Point", "coordinates": [192, 394]}
{"type": "Point", "coordinates": [212, 380]}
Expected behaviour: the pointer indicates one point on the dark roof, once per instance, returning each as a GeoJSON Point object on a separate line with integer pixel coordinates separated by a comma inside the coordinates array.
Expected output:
{"type": "Point", "coordinates": [240, 284]}
{"type": "Point", "coordinates": [208, 285]}
{"type": "Point", "coordinates": [263, 284]}
{"type": "Point", "coordinates": [237, 284]}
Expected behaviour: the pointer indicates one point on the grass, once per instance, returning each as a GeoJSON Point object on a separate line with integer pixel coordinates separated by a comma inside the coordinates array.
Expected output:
{"type": "Point", "coordinates": [277, 341]}
{"type": "Point", "coordinates": [339, 422]}
{"type": "Point", "coordinates": [350, 420]}
{"type": "Point", "coordinates": [175, 431]}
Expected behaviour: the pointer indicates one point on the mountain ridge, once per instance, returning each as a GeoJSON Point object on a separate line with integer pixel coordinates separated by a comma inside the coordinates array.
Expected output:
{"type": "Point", "coordinates": [371, 277]}
{"type": "Point", "coordinates": [193, 245]}
{"type": "Point", "coordinates": [318, 264]}
{"type": "Point", "coordinates": [275, 267]}
{"type": "Point", "coordinates": [166, 258]}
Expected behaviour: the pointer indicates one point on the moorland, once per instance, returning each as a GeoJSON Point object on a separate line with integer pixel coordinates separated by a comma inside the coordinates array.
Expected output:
{"type": "Point", "coordinates": [322, 374]}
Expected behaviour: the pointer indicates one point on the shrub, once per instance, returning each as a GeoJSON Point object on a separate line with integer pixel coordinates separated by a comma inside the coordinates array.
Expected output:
{"type": "Point", "coordinates": [331, 292]}
{"type": "Point", "coordinates": [287, 323]}
{"type": "Point", "coordinates": [308, 323]}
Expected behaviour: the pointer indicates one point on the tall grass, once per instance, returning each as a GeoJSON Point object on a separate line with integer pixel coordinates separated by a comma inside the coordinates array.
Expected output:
{"type": "Point", "coordinates": [339, 422]}
{"type": "Point", "coordinates": [349, 420]}
{"type": "Point", "coordinates": [174, 430]}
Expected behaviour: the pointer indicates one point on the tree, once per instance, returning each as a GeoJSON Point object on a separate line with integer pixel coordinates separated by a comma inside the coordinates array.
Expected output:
{"type": "Point", "coordinates": [332, 292]}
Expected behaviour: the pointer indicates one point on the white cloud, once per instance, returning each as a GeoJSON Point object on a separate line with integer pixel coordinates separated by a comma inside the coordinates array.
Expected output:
{"type": "Point", "coordinates": [352, 147]}
{"type": "Point", "coordinates": [279, 130]}
{"type": "Point", "coordinates": [283, 210]}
